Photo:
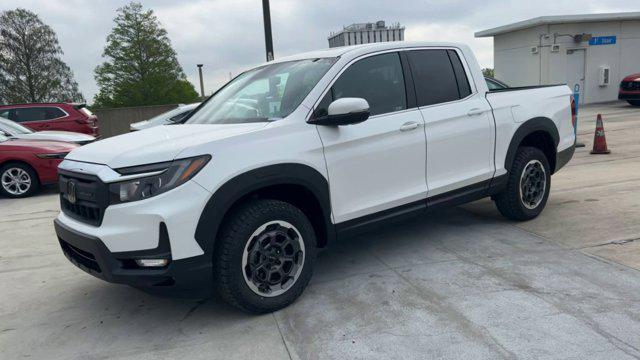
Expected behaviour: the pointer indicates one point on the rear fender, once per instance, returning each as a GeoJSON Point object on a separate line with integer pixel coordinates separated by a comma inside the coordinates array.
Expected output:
{"type": "Point", "coordinates": [529, 127]}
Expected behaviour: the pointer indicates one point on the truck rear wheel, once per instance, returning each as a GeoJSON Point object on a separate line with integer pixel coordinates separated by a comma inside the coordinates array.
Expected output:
{"type": "Point", "coordinates": [528, 185]}
{"type": "Point", "coordinates": [264, 256]}
{"type": "Point", "coordinates": [634, 102]}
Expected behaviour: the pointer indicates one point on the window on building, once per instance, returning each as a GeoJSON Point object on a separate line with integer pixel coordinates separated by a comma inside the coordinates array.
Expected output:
{"type": "Point", "coordinates": [377, 79]}
{"type": "Point", "coordinates": [434, 77]}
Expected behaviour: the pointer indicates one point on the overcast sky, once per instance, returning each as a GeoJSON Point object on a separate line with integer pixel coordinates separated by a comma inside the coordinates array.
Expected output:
{"type": "Point", "coordinates": [227, 35]}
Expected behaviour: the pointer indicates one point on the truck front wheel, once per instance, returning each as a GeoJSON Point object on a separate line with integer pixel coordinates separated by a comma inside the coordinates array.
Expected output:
{"type": "Point", "coordinates": [264, 256]}
{"type": "Point", "coordinates": [528, 185]}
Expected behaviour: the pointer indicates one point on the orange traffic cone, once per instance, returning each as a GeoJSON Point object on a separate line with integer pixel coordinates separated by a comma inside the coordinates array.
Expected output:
{"type": "Point", "coordinates": [599, 140]}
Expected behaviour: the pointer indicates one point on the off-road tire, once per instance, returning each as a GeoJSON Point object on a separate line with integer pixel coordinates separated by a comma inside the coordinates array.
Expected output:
{"type": "Point", "coordinates": [509, 202]}
{"type": "Point", "coordinates": [229, 280]}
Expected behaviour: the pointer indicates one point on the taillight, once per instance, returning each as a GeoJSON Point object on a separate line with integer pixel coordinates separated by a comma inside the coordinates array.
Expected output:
{"type": "Point", "coordinates": [91, 121]}
{"type": "Point", "coordinates": [573, 111]}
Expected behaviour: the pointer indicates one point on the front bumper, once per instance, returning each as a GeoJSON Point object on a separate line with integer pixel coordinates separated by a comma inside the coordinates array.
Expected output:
{"type": "Point", "coordinates": [190, 277]}
{"type": "Point", "coordinates": [625, 95]}
{"type": "Point", "coordinates": [134, 226]}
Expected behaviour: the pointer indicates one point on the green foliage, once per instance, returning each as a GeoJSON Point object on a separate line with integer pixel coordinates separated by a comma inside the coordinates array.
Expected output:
{"type": "Point", "coordinates": [488, 72]}
{"type": "Point", "coordinates": [31, 68]}
{"type": "Point", "coordinates": [141, 66]}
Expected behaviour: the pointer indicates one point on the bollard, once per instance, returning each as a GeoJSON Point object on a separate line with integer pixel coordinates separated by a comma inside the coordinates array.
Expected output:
{"type": "Point", "coordinates": [576, 104]}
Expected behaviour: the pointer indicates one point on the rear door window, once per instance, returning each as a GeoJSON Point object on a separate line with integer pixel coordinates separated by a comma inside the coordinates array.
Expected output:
{"type": "Point", "coordinates": [35, 114]}
{"type": "Point", "coordinates": [29, 114]}
{"type": "Point", "coordinates": [461, 76]}
{"type": "Point", "coordinates": [54, 113]}
{"type": "Point", "coordinates": [434, 77]}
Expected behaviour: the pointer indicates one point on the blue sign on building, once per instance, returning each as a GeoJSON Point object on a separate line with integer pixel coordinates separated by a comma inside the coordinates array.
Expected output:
{"type": "Point", "coordinates": [602, 40]}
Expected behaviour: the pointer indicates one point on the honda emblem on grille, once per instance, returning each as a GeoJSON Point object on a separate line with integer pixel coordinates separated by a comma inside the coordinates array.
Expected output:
{"type": "Point", "coordinates": [71, 192]}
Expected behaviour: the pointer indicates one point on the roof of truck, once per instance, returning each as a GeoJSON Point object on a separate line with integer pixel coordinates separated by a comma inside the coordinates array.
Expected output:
{"type": "Point", "coordinates": [362, 49]}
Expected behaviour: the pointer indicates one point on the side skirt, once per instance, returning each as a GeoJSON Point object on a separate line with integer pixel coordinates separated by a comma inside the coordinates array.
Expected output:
{"type": "Point", "coordinates": [449, 199]}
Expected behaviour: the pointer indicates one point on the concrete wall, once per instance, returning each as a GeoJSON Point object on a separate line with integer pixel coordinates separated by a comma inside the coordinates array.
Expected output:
{"type": "Point", "coordinates": [517, 66]}
{"type": "Point", "coordinates": [116, 121]}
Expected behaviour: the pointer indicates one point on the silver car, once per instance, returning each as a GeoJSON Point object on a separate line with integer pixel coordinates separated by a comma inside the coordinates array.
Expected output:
{"type": "Point", "coordinates": [15, 130]}
{"type": "Point", "coordinates": [166, 118]}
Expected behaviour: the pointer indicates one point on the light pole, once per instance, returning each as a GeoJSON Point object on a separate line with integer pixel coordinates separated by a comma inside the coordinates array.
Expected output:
{"type": "Point", "coordinates": [268, 41]}
{"type": "Point", "coordinates": [201, 82]}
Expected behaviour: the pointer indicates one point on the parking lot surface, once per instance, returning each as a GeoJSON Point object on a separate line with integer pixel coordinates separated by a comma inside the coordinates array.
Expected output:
{"type": "Point", "coordinates": [461, 284]}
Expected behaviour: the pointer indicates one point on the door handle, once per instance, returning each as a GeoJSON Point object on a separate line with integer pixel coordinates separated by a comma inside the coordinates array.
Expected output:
{"type": "Point", "coordinates": [475, 111]}
{"type": "Point", "coordinates": [411, 125]}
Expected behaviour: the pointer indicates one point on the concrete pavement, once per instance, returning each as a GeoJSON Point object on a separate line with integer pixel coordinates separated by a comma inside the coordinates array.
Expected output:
{"type": "Point", "coordinates": [458, 284]}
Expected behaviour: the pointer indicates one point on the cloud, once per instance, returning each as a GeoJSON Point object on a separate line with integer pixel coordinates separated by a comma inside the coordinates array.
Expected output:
{"type": "Point", "coordinates": [227, 35]}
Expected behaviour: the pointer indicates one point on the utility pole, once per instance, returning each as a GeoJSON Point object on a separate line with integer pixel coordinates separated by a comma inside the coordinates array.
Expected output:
{"type": "Point", "coordinates": [268, 41]}
{"type": "Point", "coordinates": [201, 82]}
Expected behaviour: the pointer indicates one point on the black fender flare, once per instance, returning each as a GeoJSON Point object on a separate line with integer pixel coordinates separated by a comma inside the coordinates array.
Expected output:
{"type": "Point", "coordinates": [529, 127]}
{"type": "Point", "coordinates": [226, 196]}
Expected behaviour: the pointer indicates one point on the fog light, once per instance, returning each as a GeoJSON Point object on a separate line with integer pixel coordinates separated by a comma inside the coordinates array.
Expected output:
{"type": "Point", "coordinates": [152, 262]}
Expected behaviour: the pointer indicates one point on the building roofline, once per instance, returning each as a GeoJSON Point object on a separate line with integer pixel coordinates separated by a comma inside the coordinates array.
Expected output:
{"type": "Point", "coordinates": [558, 19]}
{"type": "Point", "coordinates": [343, 31]}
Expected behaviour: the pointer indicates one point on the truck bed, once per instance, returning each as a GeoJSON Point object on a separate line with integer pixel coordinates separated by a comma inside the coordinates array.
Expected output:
{"type": "Point", "coordinates": [518, 88]}
{"type": "Point", "coordinates": [514, 106]}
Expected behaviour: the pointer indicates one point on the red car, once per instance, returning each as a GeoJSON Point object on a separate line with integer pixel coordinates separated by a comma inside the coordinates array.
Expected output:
{"type": "Point", "coordinates": [27, 164]}
{"type": "Point", "coordinates": [53, 116]}
{"type": "Point", "coordinates": [630, 89]}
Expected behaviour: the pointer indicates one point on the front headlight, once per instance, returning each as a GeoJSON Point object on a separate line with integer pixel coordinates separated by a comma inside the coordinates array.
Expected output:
{"type": "Point", "coordinates": [52, 155]}
{"type": "Point", "coordinates": [163, 177]}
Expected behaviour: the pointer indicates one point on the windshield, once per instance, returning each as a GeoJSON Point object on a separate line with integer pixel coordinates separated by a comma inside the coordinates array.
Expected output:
{"type": "Point", "coordinates": [494, 85]}
{"type": "Point", "coordinates": [267, 93]}
{"type": "Point", "coordinates": [169, 116]}
{"type": "Point", "coordinates": [13, 128]}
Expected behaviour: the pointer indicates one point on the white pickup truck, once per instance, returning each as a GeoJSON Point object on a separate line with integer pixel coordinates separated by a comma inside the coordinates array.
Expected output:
{"type": "Point", "coordinates": [296, 153]}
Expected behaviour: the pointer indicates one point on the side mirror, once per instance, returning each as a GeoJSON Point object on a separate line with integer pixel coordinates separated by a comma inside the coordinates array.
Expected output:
{"type": "Point", "coordinates": [345, 111]}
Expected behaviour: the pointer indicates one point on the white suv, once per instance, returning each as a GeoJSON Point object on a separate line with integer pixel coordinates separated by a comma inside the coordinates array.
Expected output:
{"type": "Point", "coordinates": [296, 153]}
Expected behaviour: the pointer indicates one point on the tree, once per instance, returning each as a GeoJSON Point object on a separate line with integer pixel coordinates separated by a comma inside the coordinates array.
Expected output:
{"type": "Point", "coordinates": [488, 72]}
{"type": "Point", "coordinates": [31, 68]}
{"type": "Point", "coordinates": [141, 66]}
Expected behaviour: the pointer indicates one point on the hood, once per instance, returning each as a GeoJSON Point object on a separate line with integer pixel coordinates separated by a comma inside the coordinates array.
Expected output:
{"type": "Point", "coordinates": [67, 136]}
{"type": "Point", "coordinates": [632, 77]}
{"type": "Point", "coordinates": [39, 146]}
{"type": "Point", "coordinates": [157, 144]}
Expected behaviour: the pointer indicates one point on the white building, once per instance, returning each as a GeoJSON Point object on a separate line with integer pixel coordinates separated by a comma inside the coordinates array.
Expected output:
{"type": "Point", "coordinates": [594, 51]}
{"type": "Point", "coordinates": [365, 33]}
